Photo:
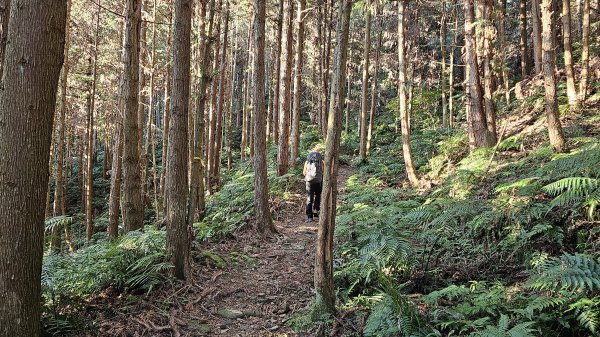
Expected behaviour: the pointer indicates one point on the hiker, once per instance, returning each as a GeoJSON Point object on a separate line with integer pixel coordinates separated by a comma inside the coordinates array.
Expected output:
{"type": "Point", "coordinates": [313, 176]}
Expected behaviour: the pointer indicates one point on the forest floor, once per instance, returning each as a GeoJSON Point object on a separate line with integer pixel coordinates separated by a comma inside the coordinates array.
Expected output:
{"type": "Point", "coordinates": [245, 286]}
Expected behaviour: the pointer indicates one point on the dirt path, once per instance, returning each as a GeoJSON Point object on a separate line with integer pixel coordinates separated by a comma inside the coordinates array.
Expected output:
{"type": "Point", "coordinates": [242, 287]}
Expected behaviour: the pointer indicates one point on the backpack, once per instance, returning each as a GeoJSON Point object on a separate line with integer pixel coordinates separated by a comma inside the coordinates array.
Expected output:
{"type": "Point", "coordinates": [314, 170]}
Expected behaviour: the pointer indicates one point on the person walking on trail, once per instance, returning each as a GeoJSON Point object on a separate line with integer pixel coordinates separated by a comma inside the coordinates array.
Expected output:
{"type": "Point", "coordinates": [313, 176]}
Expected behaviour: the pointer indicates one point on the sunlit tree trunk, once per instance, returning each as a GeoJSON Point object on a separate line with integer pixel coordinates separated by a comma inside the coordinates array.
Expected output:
{"type": "Point", "coordinates": [476, 118]}
{"type": "Point", "coordinates": [502, 45]}
{"type": "Point", "coordinates": [525, 63]}
{"type": "Point", "coordinates": [585, 51]}
{"type": "Point", "coordinates": [324, 287]}
{"type": "Point", "coordinates": [557, 139]}
{"type": "Point", "coordinates": [409, 165]}
{"type": "Point", "coordinates": [167, 115]}
{"type": "Point", "coordinates": [115, 181]}
{"type": "Point", "coordinates": [197, 188]}
{"type": "Point", "coordinates": [568, 54]}
{"type": "Point", "coordinates": [443, 72]}
{"type": "Point", "coordinates": [374, 91]}
{"type": "Point", "coordinates": [178, 228]}
{"type": "Point", "coordinates": [285, 90]}
{"type": "Point", "coordinates": [32, 63]}
{"type": "Point", "coordinates": [216, 163]}
{"type": "Point", "coordinates": [295, 136]}
{"type": "Point", "coordinates": [364, 101]}
{"type": "Point", "coordinates": [536, 35]}
{"type": "Point", "coordinates": [488, 81]}
{"type": "Point", "coordinates": [277, 73]}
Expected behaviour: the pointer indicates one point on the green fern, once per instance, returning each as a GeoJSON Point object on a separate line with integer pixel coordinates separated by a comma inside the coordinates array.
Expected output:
{"type": "Point", "coordinates": [577, 271]}
{"type": "Point", "coordinates": [503, 329]}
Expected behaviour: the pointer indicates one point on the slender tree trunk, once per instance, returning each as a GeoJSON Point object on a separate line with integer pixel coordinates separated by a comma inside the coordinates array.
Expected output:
{"type": "Point", "coordinates": [132, 205]}
{"type": "Point", "coordinates": [277, 73]}
{"type": "Point", "coordinates": [220, 100]}
{"type": "Point", "coordinates": [555, 132]}
{"type": "Point", "coordinates": [585, 51]}
{"type": "Point", "coordinates": [502, 45]}
{"type": "Point", "coordinates": [197, 188]}
{"type": "Point", "coordinates": [443, 72]}
{"type": "Point", "coordinates": [167, 115]}
{"type": "Point", "coordinates": [525, 62]}
{"type": "Point", "coordinates": [150, 150]}
{"type": "Point", "coordinates": [264, 223]}
{"type": "Point", "coordinates": [285, 91]}
{"type": "Point", "coordinates": [212, 114]}
{"type": "Point", "coordinates": [476, 118]}
{"type": "Point", "coordinates": [115, 181]}
{"type": "Point", "coordinates": [488, 81]}
{"type": "Point", "coordinates": [409, 165]}
{"type": "Point", "coordinates": [374, 92]}
{"type": "Point", "coordinates": [536, 35]}
{"type": "Point", "coordinates": [32, 64]}
{"type": "Point", "coordinates": [178, 228]}
{"type": "Point", "coordinates": [89, 184]}
{"type": "Point", "coordinates": [59, 202]}
{"type": "Point", "coordinates": [329, 11]}
{"type": "Point", "coordinates": [568, 54]}
{"type": "Point", "coordinates": [451, 70]}
{"type": "Point", "coordinates": [298, 83]}
{"type": "Point", "coordinates": [324, 287]}
{"type": "Point", "coordinates": [364, 102]}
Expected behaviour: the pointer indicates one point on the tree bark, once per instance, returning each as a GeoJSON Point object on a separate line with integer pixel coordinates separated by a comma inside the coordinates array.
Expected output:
{"type": "Point", "coordinates": [115, 181]}
{"type": "Point", "coordinates": [324, 287]}
{"type": "Point", "coordinates": [220, 100]}
{"type": "Point", "coordinates": [585, 51]}
{"type": "Point", "coordinates": [298, 83]}
{"type": "Point", "coordinates": [364, 102]}
{"type": "Point", "coordinates": [264, 222]}
{"type": "Point", "coordinates": [568, 54]}
{"type": "Point", "coordinates": [197, 188]}
{"type": "Point", "coordinates": [476, 118]}
{"type": "Point", "coordinates": [557, 139]}
{"type": "Point", "coordinates": [285, 91]}
{"type": "Point", "coordinates": [59, 190]}
{"type": "Point", "coordinates": [167, 114]}
{"type": "Point", "coordinates": [488, 81]}
{"type": "Point", "coordinates": [132, 203]}
{"type": "Point", "coordinates": [525, 63]}
{"type": "Point", "coordinates": [178, 228]}
{"type": "Point", "coordinates": [443, 75]}
{"type": "Point", "coordinates": [536, 35]}
{"type": "Point", "coordinates": [5, 17]}
{"type": "Point", "coordinates": [374, 91]}
{"type": "Point", "coordinates": [32, 64]}
{"type": "Point", "coordinates": [409, 165]}
{"type": "Point", "coordinates": [277, 73]}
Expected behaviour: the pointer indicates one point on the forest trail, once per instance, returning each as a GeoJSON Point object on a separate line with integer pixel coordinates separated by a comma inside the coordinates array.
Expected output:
{"type": "Point", "coordinates": [253, 291]}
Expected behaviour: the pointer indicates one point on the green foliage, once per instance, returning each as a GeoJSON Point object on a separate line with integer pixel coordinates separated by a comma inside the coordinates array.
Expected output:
{"type": "Point", "coordinates": [503, 329]}
{"type": "Point", "coordinates": [575, 191]}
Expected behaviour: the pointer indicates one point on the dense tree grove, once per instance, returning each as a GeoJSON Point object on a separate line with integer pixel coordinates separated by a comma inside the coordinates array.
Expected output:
{"type": "Point", "coordinates": [456, 135]}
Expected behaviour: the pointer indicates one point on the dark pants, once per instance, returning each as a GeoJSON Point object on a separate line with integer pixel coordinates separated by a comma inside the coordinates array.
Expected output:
{"type": "Point", "coordinates": [313, 198]}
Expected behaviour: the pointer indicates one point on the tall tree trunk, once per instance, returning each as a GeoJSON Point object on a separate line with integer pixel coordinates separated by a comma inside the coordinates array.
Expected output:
{"type": "Point", "coordinates": [178, 228]}
{"type": "Point", "coordinates": [167, 113]}
{"type": "Point", "coordinates": [525, 62]}
{"type": "Point", "coordinates": [212, 114]}
{"type": "Point", "coordinates": [32, 64]}
{"type": "Point", "coordinates": [220, 100]}
{"type": "Point", "coordinates": [197, 188]}
{"type": "Point", "coordinates": [298, 83]}
{"type": "Point", "coordinates": [443, 72]}
{"type": "Point", "coordinates": [409, 165]}
{"type": "Point", "coordinates": [285, 90]}
{"type": "Point", "coordinates": [585, 51]}
{"type": "Point", "coordinates": [568, 54]}
{"type": "Point", "coordinates": [150, 148]}
{"type": "Point", "coordinates": [277, 73]}
{"type": "Point", "coordinates": [326, 89]}
{"type": "Point", "coordinates": [374, 91]}
{"type": "Point", "coordinates": [502, 46]}
{"type": "Point", "coordinates": [264, 222]}
{"type": "Point", "coordinates": [115, 181]}
{"type": "Point", "coordinates": [476, 118]}
{"type": "Point", "coordinates": [59, 202]}
{"type": "Point", "coordinates": [557, 139]}
{"type": "Point", "coordinates": [364, 101]}
{"type": "Point", "coordinates": [536, 35]}
{"type": "Point", "coordinates": [132, 203]}
{"type": "Point", "coordinates": [324, 287]}
{"type": "Point", "coordinates": [488, 81]}
{"type": "Point", "coordinates": [89, 164]}
{"type": "Point", "coordinates": [451, 70]}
